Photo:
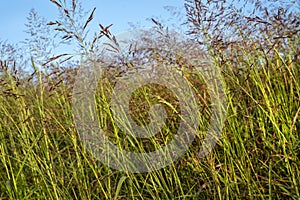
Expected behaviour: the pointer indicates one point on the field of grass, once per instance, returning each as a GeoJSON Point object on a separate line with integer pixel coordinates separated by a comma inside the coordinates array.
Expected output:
{"type": "Point", "coordinates": [256, 157]}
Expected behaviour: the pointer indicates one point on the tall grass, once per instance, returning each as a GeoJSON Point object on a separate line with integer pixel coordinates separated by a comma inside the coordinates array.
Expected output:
{"type": "Point", "coordinates": [257, 156]}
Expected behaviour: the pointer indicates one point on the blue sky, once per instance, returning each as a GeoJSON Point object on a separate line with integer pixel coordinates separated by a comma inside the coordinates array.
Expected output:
{"type": "Point", "coordinates": [117, 12]}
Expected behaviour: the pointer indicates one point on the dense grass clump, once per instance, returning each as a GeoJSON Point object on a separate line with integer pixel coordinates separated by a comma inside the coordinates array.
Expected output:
{"type": "Point", "coordinates": [256, 157]}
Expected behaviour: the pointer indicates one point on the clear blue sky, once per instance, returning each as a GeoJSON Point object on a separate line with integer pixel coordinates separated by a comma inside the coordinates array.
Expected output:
{"type": "Point", "coordinates": [118, 12]}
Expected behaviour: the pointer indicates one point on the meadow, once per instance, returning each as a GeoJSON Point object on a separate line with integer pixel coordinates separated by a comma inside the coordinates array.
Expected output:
{"type": "Point", "coordinates": [256, 156]}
